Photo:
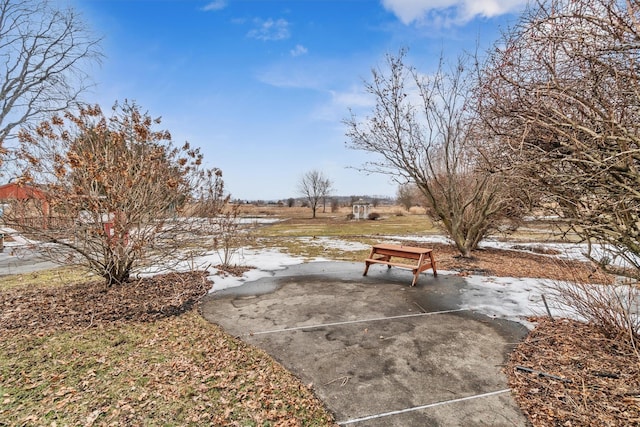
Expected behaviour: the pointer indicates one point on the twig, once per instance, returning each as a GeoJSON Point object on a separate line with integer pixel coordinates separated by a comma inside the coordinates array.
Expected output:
{"type": "Point", "coordinates": [543, 374]}
{"type": "Point", "coordinates": [606, 374]}
{"type": "Point", "coordinates": [345, 380]}
{"type": "Point", "coordinates": [544, 300]}
{"type": "Point", "coordinates": [91, 322]}
{"type": "Point", "coordinates": [630, 393]}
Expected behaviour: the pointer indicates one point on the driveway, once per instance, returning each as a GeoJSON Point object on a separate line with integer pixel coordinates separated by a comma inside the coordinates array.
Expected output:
{"type": "Point", "coordinates": [377, 351]}
{"type": "Point", "coordinates": [28, 263]}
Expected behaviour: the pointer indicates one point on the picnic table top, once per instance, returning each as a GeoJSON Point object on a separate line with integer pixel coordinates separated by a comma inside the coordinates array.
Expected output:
{"type": "Point", "coordinates": [402, 248]}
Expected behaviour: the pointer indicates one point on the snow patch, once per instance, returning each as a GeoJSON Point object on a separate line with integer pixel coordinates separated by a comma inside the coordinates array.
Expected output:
{"type": "Point", "coordinates": [332, 243]}
{"type": "Point", "coordinates": [509, 297]}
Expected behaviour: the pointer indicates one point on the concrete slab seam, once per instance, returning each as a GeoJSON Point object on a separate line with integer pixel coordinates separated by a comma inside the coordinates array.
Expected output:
{"type": "Point", "coordinates": [350, 322]}
{"type": "Point", "coordinates": [418, 408]}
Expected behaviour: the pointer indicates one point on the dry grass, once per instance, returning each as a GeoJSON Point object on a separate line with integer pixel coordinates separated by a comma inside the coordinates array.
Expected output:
{"type": "Point", "coordinates": [47, 278]}
{"type": "Point", "coordinates": [175, 371]}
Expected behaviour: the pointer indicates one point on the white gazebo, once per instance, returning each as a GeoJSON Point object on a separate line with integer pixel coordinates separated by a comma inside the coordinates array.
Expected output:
{"type": "Point", "coordinates": [360, 209]}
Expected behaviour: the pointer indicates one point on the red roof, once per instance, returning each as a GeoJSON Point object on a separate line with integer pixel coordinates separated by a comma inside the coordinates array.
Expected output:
{"type": "Point", "coordinates": [13, 190]}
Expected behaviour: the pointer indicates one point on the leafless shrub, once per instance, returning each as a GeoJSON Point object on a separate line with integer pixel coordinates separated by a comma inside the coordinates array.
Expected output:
{"type": "Point", "coordinates": [230, 235]}
{"type": "Point", "coordinates": [113, 193]}
{"type": "Point", "coordinates": [614, 308]}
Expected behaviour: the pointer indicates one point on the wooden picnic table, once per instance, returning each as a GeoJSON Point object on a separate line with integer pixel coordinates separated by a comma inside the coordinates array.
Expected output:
{"type": "Point", "coordinates": [383, 253]}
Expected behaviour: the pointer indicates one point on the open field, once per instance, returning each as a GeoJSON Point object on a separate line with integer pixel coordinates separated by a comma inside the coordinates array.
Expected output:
{"type": "Point", "coordinates": [72, 353]}
{"type": "Point", "coordinates": [394, 220]}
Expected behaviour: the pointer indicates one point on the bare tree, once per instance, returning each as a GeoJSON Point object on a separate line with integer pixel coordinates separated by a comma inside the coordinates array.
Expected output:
{"type": "Point", "coordinates": [424, 131]}
{"type": "Point", "coordinates": [335, 204]}
{"type": "Point", "coordinates": [314, 186]}
{"type": "Point", "coordinates": [44, 55]}
{"type": "Point", "coordinates": [118, 195]}
{"type": "Point", "coordinates": [405, 195]}
{"type": "Point", "coordinates": [562, 94]}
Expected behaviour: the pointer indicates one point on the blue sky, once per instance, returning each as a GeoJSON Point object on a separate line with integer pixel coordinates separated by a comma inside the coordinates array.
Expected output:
{"type": "Point", "coordinates": [262, 86]}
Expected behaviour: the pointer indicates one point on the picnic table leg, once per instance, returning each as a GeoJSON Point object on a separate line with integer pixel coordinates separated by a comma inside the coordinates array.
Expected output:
{"type": "Point", "coordinates": [417, 270]}
{"type": "Point", "coordinates": [415, 277]}
{"type": "Point", "coordinates": [386, 258]}
{"type": "Point", "coordinates": [366, 264]}
{"type": "Point", "coordinates": [433, 264]}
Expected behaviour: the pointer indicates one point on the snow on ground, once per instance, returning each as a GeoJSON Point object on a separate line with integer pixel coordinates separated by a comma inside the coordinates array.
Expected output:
{"type": "Point", "coordinates": [509, 297]}
{"type": "Point", "coordinates": [421, 239]}
{"type": "Point", "coordinates": [16, 237]}
{"type": "Point", "coordinates": [500, 297]}
{"type": "Point", "coordinates": [566, 251]}
{"type": "Point", "coordinates": [264, 261]}
{"type": "Point", "coordinates": [333, 243]}
{"type": "Point", "coordinates": [255, 220]}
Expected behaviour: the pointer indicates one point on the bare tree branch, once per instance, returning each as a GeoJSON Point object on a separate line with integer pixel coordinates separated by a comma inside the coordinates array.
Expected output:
{"type": "Point", "coordinates": [563, 95]}
{"type": "Point", "coordinates": [44, 53]}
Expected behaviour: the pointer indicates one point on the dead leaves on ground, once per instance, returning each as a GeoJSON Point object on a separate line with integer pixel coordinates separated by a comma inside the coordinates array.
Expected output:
{"type": "Point", "coordinates": [605, 373]}
{"type": "Point", "coordinates": [599, 381]}
{"type": "Point", "coordinates": [137, 355]}
{"type": "Point", "coordinates": [86, 305]}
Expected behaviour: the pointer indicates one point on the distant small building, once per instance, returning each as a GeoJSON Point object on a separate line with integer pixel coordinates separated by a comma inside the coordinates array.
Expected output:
{"type": "Point", "coordinates": [31, 202]}
{"type": "Point", "coordinates": [360, 209]}
{"type": "Point", "coordinates": [15, 191]}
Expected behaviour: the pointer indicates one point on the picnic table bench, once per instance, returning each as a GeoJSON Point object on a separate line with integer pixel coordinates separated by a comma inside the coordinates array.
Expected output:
{"type": "Point", "coordinates": [383, 253]}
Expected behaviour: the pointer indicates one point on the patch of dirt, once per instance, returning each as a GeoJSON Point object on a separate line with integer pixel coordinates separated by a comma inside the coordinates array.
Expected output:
{"type": "Point", "coordinates": [506, 263]}
{"type": "Point", "coordinates": [233, 270]}
{"type": "Point", "coordinates": [89, 304]}
{"type": "Point", "coordinates": [568, 373]}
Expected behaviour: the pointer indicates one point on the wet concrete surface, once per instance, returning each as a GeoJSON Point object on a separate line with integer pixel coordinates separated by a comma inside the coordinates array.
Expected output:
{"type": "Point", "coordinates": [378, 351]}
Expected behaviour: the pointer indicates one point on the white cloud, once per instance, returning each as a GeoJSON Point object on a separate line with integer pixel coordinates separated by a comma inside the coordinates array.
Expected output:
{"type": "Point", "coordinates": [290, 75]}
{"type": "Point", "coordinates": [353, 98]}
{"type": "Point", "coordinates": [448, 12]}
{"type": "Point", "coordinates": [270, 29]}
{"type": "Point", "coordinates": [298, 50]}
{"type": "Point", "coordinates": [215, 5]}
{"type": "Point", "coordinates": [338, 106]}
